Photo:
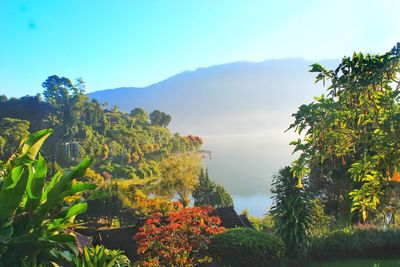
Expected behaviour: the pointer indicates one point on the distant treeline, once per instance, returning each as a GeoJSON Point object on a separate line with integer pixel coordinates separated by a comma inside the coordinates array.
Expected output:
{"type": "Point", "coordinates": [123, 145]}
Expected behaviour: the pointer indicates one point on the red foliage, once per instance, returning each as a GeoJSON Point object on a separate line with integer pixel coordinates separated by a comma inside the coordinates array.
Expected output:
{"type": "Point", "coordinates": [194, 139]}
{"type": "Point", "coordinates": [178, 239]}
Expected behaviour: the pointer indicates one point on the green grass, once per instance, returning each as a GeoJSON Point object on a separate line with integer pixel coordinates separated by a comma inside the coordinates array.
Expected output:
{"type": "Point", "coordinates": [359, 263]}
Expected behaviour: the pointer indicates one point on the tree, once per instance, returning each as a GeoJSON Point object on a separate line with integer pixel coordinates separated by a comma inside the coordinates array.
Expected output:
{"type": "Point", "coordinates": [292, 213]}
{"type": "Point", "coordinates": [13, 131]}
{"type": "Point", "coordinates": [140, 115]}
{"type": "Point", "coordinates": [223, 198]}
{"type": "Point", "coordinates": [160, 118]}
{"type": "Point", "coordinates": [204, 191]}
{"type": "Point", "coordinates": [331, 183]}
{"type": "Point", "coordinates": [57, 90]}
{"type": "Point", "coordinates": [179, 176]}
{"type": "Point", "coordinates": [207, 192]}
{"type": "Point", "coordinates": [356, 123]}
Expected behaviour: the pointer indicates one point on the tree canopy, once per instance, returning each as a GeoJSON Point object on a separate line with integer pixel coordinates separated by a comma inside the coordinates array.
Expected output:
{"type": "Point", "coordinates": [355, 124]}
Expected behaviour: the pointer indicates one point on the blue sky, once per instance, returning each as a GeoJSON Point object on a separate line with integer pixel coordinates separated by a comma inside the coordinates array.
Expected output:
{"type": "Point", "coordinates": [136, 43]}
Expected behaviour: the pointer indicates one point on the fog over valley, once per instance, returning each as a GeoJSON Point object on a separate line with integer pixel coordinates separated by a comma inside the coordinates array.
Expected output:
{"type": "Point", "coordinates": [241, 110]}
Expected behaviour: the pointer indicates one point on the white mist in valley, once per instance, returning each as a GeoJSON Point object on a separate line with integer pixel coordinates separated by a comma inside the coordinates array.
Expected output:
{"type": "Point", "coordinates": [241, 110]}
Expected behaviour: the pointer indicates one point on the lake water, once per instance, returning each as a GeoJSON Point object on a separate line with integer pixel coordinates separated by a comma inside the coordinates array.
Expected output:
{"type": "Point", "coordinates": [244, 164]}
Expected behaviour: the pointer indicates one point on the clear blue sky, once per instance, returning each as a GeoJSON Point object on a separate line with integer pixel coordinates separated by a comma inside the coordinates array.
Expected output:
{"type": "Point", "coordinates": [114, 43]}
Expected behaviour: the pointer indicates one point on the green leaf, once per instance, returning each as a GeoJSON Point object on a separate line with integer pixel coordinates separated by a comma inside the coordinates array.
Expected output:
{"type": "Point", "coordinates": [98, 194]}
{"type": "Point", "coordinates": [76, 209]}
{"type": "Point", "coordinates": [12, 192]}
{"type": "Point", "coordinates": [316, 68]}
{"type": "Point", "coordinates": [35, 185]}
{"type": "Point", "coordinates": [79, 187]}
{"type": "Point", "coordinates": [57, 186]}
{"type": "Point", "coordinates": [63, 238]}
{"type": "Point", "coordinates": [32, 144]}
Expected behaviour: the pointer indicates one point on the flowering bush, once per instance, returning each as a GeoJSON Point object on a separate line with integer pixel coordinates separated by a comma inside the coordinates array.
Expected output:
{"type": "Point", "coordinates": [179, 239]}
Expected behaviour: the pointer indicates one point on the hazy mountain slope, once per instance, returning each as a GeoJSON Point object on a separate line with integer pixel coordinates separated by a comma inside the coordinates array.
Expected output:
{"type": "Point", "coordinates": [240, 109]}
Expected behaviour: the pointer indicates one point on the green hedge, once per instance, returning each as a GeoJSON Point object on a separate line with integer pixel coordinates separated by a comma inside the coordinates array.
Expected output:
{"type": "Point", "coordinates": [246, 247]}
{"type": "Point", "coordinates": [356, 243]}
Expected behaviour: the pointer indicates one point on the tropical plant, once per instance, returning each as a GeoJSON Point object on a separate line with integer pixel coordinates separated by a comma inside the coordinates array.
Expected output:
{"type": "Point", "coordinates": [180, 239]}
{"type": "Point", "coordinates": [35, 221]}
{"type": "Point", "coordinates": [99, 256]}
{"type": "Point", "coordinates": [356, 123]}
{"type": "Point", "coordinates": [247, 247]}
{"type": "Point", "coordinates": [292, 213]}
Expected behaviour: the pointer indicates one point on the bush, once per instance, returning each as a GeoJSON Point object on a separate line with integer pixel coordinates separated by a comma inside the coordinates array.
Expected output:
{"type": "Point", "coordinates": [356, 243]}
{"type": "Point", "coordinates": [246, 247]}
{"type": "Point", "coordinates": [179, 239]}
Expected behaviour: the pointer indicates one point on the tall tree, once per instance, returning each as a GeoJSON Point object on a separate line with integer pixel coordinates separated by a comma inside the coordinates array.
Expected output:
{"type": "Point", "coordinates": [57, 90]}
{"type": "Point", "coordinates": [223, 198]}
{"type": "Point", "coordinates": [160, 118]}
{"type": "Point", "coordinates": [206, 192]}
{"type": "Point", "coordinates": [356, 123]}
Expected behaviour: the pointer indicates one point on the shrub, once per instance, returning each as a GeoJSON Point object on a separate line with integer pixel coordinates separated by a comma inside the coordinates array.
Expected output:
{"type": "Point", "coordinates": [246, 247]}
{"type": "Point", "coordinates": [177, 240]}
{"type": "Point", "coordinates": [366, 242]}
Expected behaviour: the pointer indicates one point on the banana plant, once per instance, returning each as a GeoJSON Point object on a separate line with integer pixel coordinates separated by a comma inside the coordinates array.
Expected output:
{"type": "Point", "coordinates": [35, 221]}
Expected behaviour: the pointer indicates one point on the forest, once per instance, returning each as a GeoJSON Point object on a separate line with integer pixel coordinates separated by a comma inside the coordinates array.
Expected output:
{"type": "Point", "coordinates": [74, 169]}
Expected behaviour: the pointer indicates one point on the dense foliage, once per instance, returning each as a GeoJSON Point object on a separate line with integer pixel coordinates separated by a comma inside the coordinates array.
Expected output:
{"type": "Point", "coordinates": [206, 192]}
{"type": "Point", "coordinates": [179, 176]}
{"type": "Point", "coordinates": [35, 216]}
{"type": "Point", "coordinates": [180, 239]}
{"type": "Point", "coordinates": [292, 213]}
{"type": "Point", "coordinates": [354, 128]}
{"type": "Point", "coordinates": [136, 160]}
{"type": "Point", "coordinates": [346, 243]}
{"type": "Point", "coordinates": [247, 247]}
{"type": "Point", "coordinates": [122, 145]}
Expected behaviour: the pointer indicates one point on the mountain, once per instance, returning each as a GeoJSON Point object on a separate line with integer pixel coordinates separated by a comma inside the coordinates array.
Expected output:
{"type": "Point", "coordinates": [241, 109]}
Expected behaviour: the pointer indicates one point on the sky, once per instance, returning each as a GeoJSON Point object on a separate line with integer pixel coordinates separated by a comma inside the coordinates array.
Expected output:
{"type": "Point", "coordinates": [137, 43]}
